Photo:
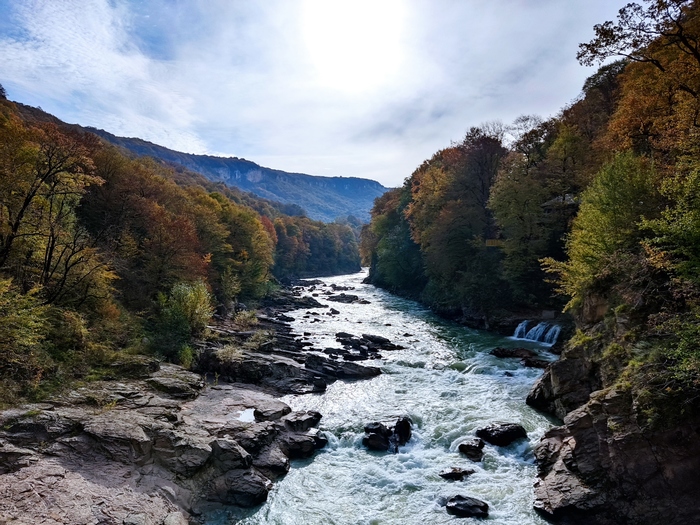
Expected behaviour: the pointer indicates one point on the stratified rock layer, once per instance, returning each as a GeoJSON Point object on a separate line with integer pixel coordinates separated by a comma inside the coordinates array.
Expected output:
{"type": "Point", "coordinates": [154, 451]}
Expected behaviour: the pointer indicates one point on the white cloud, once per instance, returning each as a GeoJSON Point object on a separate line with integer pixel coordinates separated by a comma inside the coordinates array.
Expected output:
{"type": "Point", "coordinates": [244, 79]}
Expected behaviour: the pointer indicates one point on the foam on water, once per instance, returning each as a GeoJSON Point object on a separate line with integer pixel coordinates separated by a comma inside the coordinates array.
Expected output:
{"type": "Point", "coordinates": [449, 385]}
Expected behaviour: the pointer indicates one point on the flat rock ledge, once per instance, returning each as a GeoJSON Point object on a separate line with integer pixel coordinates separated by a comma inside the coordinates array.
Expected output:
{"type": "Point", "coordinates": [161, 450]}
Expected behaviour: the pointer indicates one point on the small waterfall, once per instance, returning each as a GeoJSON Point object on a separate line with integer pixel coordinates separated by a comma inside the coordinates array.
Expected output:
{"type": "Point", "coordinates": [552, 335]}
{"type": "Point", "coordinates": [521, 330]}
{"type": "Point", "coordinates": [537, 333]}
{"type": "Point", "coordinates": [541, 332]}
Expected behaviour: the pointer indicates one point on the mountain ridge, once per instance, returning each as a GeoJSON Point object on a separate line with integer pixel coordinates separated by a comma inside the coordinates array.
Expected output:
{"type": "Point", "coordinates": [323, 198]}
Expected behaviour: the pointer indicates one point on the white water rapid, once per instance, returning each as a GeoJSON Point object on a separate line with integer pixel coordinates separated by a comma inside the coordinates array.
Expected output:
{"type": "Point", "coordinates": [448, 384]}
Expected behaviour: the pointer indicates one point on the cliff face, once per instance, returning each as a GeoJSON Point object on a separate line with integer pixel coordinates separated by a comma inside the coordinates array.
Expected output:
{"type": "Point", "coordinates": [604, 466]}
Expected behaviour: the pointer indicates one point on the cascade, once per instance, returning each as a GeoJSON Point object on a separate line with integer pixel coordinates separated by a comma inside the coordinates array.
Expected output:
{"type": "Point", "coordinates": [551, 337]}
{"type": "Point", "coordinates": [541, 332]}
{"type": "Point", "coordinates": [521, 330]}
{"type": "Point", "coordinates": [537, 333]}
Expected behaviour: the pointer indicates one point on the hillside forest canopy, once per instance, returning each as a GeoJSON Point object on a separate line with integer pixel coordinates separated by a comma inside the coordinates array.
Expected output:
{"type": "Point", "coordinates": [104, 255]}
{"type": "Point", "coordinates": [595, 211]}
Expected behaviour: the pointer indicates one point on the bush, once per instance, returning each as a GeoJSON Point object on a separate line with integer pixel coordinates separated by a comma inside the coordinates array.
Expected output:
{"type": "Point", "coordinates": [245, 319]}
{"type": "Point", "coordinates": [182, 315]}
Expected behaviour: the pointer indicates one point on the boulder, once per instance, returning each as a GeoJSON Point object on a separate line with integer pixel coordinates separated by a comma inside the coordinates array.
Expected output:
{"type": "Point", "coordinates": [402, 430]}
{"type": "Point", "coordinates": [472, 448]}
{"type": "Point", "coordinates": [301, 421]}
{"type": "Point", "coordinates": [377, 437]}
{"type": "Point", "coordinates": [245, 488]}
{"type": "Point", "coordinates": [455, 473]}
{"type": "Point", "coordinates": [229, 455]}
{"type": "Point", "coordinates": [466, 507]}
{"type": "Point", "coordinates": [501, 434]}
{"type": "Point", "coordinates": [298, 445]}
{"type": "Point", "coordinates": [513, 352]}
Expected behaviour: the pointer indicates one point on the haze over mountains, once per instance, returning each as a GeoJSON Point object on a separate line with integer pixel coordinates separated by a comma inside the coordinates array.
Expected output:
{"type": "Point", "coordinates": [323, 198]}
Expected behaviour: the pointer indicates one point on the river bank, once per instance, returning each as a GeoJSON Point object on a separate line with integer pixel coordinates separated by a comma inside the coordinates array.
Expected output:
{"type": "Point", "coordinates": [167, 446]}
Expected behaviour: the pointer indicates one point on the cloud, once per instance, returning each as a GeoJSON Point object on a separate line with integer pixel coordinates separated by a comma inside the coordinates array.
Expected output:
{"type": "Point", "coordinates": [240, 78]}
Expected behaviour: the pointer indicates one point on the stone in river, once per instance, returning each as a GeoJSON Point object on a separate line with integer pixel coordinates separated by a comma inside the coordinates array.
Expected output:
{"type": "Point", "coordinates": [473, 449]}
{"type": "Point", "coordinates": [502, 434]}
{"type": "Point", "coordinates": [455, 473]}
{"type": "Point", "coordinates": [466, 507]}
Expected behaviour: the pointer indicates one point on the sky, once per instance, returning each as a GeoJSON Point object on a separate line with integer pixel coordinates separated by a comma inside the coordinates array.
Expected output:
{"type": "Point", "coordinates": [352, 88]}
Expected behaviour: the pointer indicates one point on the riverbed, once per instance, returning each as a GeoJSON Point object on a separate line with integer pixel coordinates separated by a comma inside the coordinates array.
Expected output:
{"type": "Point", "coordinates": [448, 384]}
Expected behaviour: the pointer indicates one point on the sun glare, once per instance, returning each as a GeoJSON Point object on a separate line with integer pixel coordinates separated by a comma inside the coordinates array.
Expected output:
{"type": "Point", "coordinates": [354, 45]}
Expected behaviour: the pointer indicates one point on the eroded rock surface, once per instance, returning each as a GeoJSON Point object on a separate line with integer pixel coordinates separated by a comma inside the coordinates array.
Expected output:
{"type": "Point", "coordinates": [154, 451]}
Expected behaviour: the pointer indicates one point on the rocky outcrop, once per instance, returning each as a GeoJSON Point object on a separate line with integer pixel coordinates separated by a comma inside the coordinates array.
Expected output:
{"type": "Point", "coordinates": [602, 468]}
{"type": "Point", "coordinates": [155, 451]}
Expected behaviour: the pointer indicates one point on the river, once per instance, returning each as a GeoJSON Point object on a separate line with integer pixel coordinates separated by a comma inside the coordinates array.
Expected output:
{"type": "Point", "coordinates": [448, 384]}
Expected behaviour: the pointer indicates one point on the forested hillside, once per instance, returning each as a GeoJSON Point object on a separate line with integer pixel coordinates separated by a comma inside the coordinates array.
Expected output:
{"type": "Point", "coordinates": [596, 211]}
{"type": "Point", "coordinates": [322, 198]}
{"type": "Point", "coordinates": [103, 254]}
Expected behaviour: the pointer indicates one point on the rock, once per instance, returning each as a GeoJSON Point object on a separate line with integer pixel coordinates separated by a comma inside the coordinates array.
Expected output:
{"type": "Point", "coordinates": [298, 445]}
{"type": "Point", "coordinates": [229, 455]}
{"type": "Point", "coordinates": [376, 339]}
{"type": "Point", "coordinates": [271, 411]}
{"type": "Point", "coordinates": [13, 458]}
{"type": "Point", "coordinates": [533, 362]}
{"type": "Point", "coordinates": [341, 370]}
{"type": "Point", "coordinates": [402, 430]}
{"type": "Point", "coordinates": [245, 488]}
{"type": "Point", "coordinates": [272, 462]}
{"type": "Point", "coordinates": [377, 437]}
{"type": "Point", "coordinates": [301, 421]}
{"type": "Point", "coordinates": [501, 434]}
{"type": "Point", "coordinates": [183, 451]}
{"type": "Point", "coordinates": [176, 382]}
{"type": "Point", "coordinates": [472, 448]}
{"type": "Point", "coordinates": [456, 473]}
{"type": "Point", "coordinates": [513, 352]}
{"type": "Point", "coordinates": [466, 507]}
{"type": "Point", "coordinates": [343, 298]}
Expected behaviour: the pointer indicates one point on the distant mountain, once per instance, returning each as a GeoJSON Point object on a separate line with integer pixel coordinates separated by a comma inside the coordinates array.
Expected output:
{"type": "Point", "coordinates": [323, 198]}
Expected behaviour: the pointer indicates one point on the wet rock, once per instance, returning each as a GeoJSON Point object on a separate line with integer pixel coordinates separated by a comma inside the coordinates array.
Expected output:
{"type": "Point", "coordinates": [245, 488]}
{"type": "Point", "coordinates": [513, 352]}
{"type": "Point", "coordinates": [298, 445]}
{"type": "Point", "coordinates": [472, 448]}
{"type": "Point", "coordinates": [466, 507]}
{"type": "Point", "coordinates": [341, 370]}
{"type": "Point", "coordinates": [533, 362]}
{"type": "Point", "coordinates": [343, 298]}
{"type": "Point", "coordinates": [456, 473]}
{"type": "Point", "coordinates": [376, 339]}
{"type": "Point", "coordinates": [402, 430]}
{"type": "Point", "coordinates": [377, 437]}
{"type": "Point", "coordinates": [502, 434]}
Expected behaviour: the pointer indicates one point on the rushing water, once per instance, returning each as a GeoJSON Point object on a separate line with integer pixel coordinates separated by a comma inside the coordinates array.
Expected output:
{"type": "Point", "coordinates": [449, 385]}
